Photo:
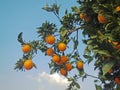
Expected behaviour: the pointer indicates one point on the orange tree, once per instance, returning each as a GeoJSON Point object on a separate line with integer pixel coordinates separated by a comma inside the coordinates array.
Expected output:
{"type": "Point", "coordinates": [99, 22]}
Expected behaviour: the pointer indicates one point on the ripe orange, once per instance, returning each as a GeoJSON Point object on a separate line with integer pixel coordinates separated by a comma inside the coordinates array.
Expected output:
{"type": "Point", "coordinates": [55, 58]}
{"type": "Point", "coordinates": [50, 39]}
{"type": "Point", "coordinates": [117, 9]}
{"type": "Point", "coordinates": [49, 52]}
{"type": "Point", "coordinates": [28, 64]}
{"type": "Point", "coordinates": [68, 66]}
{"type": "Point", "coordinates": [110, 71]}
{"type": "Point", "coordinates": [61, 46]}
{"type": "Point", "coordinates": [63, 71]}
{"type": "Point", "coordinates": [102, 19]}
{"type": "Point", "coordinates": [64, 59]}
{"type": "Point", "coordinates": [26, 48]}
{"type": "Point", "coordinates": [117, 46]}
{"type": "Point", "coordinates": [117, 80]}
{"type": "Point", "coordinates": [82, 15]}
{"type": "Point", "coordinates": [59, 62]}
{"type": "Point", "coordinates": [79, 65]}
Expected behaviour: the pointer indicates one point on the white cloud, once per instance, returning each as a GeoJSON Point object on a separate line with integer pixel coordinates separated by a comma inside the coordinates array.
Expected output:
{"type": "Point", "coordinates": [50, 81]}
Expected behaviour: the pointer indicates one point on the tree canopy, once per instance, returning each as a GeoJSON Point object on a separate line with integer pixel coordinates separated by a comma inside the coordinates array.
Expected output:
{"type": "Point", "coordinates": [99, 22]}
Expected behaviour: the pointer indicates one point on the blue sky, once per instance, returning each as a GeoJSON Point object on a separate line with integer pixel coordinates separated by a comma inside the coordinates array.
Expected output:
{"type": "Point", "coordinates": [25, 16]}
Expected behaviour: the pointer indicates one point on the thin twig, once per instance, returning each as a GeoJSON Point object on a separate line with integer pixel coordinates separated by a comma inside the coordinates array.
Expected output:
{"type": "Point", "coordinates": [73, 30]}
{"type": "Point", "coordinates": [57, 16]}
{"type": "Point", "coordinates": [91, 76]}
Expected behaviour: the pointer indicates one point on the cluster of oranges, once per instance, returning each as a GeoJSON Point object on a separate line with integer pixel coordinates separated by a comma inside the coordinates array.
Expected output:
{"type": "Point", "coordinates": [60, 60]}
{"type": "Point", "coordinates": [101, 18]}
{"type": "Point", "coordinates": [28, 64]}
{"type": "Point", "coordinates": [86, 17]}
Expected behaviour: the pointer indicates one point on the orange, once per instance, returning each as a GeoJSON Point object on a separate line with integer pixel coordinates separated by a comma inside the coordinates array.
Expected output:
{"type": "Point", "coordinates": [49, 52]}
{"type": "Point", "coordinates": [28, 64]}
{"type": "Point", "coordinates": [50, 39]}
{"type": "Point", "coordinates": [63, 71]}
{"type": "Point", "coordinates": [68, 66]}
{"type": "Point", "coordinates": [117, 46]}
{"type": "Point", "coordinates": [117, 9]}
{"type": "Point", "coordinates": [110, 71]}
{"type": "Point", "coordinates": [117, 80]}
{"type": "Point", "coordinates": [87, 18]}
{"type": "Point", "coordinates": [26, 48]}
{"type": "Point", "coordinates": [59, 62]}
{"type": "Point", "coordinates": [102, 19]}
{"type": "Point", "coordinates": [79, 65]}
{"type": "Point", "coordinates": [64, 59]}
{"type": "Point", "coordinates": [82, 15]}
{"type": "Point", "coordinates": [61, 46]}
{"type": "Point", "coordinates": [55, 58]}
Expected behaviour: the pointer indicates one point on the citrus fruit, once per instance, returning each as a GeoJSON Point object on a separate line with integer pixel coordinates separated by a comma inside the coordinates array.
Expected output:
{"type": "Point", "coordinates": [55, 58]}
{"type": "Point", "coordinates": [110, 71]}
{"type": "Point", "coordinates": [63, 59]}
{"type": "Point", "coordinates": [26, 48]}
{"type": "Point", "coordinates": [59, 62]}
{"type": "Point", "coordinates": [102, 19]}
{"type": "Point", "coordinates": [87, 18]}
{"type": "Point", "coordinates": [68, 66]}
{"type": "Point", "coordinates": [117, 9]}
{"type": "Point", "coordinates": [49, 52]}
{"type": "Point", "coordinates": [82, 15]}
{"type": "Point", "coordinates": [63, 71]}
{"type": "Point", "coordinates": [117, 46]}
{"type": "Point", "coordinates": [61, 46]}
{"type": "Point", "coordinates": [79, 65]}
{"type": "Point", "coordinates": [117, 80]}
{"type": "Point", "coordinates": [28, 64]}
{"type": "Point", "coordinates": [50, 39]}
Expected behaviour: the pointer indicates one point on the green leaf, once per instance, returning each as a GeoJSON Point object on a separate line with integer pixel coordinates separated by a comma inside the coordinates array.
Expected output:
{"type": "Point", "coordinates": [63, 32]}
{"type": "Point", "coordinates": [19, 64]}
{"type": "Point", "coordinates": [34, 65]}
{"type": "Point", "coordinates": [89, 42]}
{"type": "Point", "coordinates": [53, 70]}
{"type": "Point", "coordinates": [98, 87]}
{"type": "Point", "coordinates": [77, 85]}
{"type": "Point", "coordinates": [89, 58]}
{"type": "Point", "coordinates": [102, 52]}
{"type": "Point", "coordinates": [51, 64]}
{"type": "Point", "coordinates": [81, 72]}
{"type": "Point", "coordinates": [107, 67]}
{"type": "Point", "coordinates": [20, 39]}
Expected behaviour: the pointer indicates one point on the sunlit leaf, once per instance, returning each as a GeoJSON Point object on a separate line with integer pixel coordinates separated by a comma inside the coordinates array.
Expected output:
{"type": "Point", "coordinates": [107, 67]}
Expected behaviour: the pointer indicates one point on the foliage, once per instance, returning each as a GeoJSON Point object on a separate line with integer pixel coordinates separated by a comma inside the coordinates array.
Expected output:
{"type": "Point", "coordinates": [99, 39]}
